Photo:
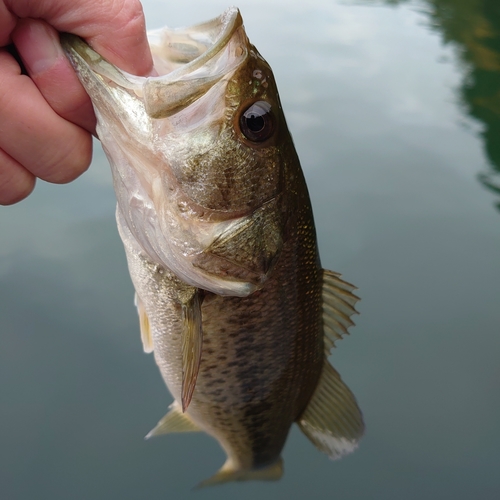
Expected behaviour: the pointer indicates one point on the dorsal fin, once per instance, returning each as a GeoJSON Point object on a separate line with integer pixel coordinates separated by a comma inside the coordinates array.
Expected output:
{"type": "Point", "coordinates": [332, 419]}
{"type": "Point", "coordinates": [147, 340]}
{"type": "Point", "coordinates": [173, 421]}
{"type": "Point", "coordinates": [338, 307]}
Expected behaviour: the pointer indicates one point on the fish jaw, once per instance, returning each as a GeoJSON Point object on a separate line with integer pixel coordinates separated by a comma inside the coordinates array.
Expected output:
{"type": "Point", "coordinates": [171, 145]}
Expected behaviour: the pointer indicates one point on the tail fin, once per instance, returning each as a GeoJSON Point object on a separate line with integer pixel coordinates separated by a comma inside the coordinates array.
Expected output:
{"type": "Point", "coordinates": [229, 472]}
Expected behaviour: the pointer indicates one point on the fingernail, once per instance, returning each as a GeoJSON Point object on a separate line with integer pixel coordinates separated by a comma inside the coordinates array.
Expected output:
{"type": "Point", "coordinates": [41, 48]}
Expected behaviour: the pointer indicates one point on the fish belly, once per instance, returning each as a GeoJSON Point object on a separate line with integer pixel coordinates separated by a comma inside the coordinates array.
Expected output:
{"type": "Point", "coordinates": [261, 359]}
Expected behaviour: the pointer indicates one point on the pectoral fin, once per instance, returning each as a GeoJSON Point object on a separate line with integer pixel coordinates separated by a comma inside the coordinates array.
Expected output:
{"type": "Point", "coordinates": [332, 419]}
{"type": "Point", "coordinates": [338, 307]}
{"type": "Point", "coordinates": [230, 473]}
{"type": "Point", "coordinates": [192, 342]}
{"type": "Point", "coordinates": [147, 340]}
{"type": "Point", "coordinates": [173, 421]}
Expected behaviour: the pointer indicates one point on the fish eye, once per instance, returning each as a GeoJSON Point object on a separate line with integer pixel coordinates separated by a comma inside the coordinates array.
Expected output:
{"type": "Point", "coordinates": [257, 122]}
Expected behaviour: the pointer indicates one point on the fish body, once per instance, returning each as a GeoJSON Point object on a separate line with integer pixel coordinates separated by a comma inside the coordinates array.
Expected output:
{"type": "Point", "coordinates": [218, 230]}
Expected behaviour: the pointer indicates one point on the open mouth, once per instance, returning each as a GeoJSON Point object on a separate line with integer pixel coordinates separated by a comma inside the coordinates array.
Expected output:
{"type": "Point", "coordinates": [187, 62]}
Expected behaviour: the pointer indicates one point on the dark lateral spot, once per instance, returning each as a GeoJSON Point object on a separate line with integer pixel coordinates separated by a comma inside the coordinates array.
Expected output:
{"type": "Point", "coordinates": [247, 397]}
{"type": "Point", "coordinates": [241, 352]}
{"type": "Point", "coordinates": [209, 368]}
{"type": "Point", "coordinates": [259, 412]}
{"type": "Point", "coordinates": [246, 339]}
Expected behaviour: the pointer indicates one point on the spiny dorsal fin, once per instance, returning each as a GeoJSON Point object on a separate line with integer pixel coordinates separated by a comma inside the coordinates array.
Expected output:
{"type": "Point", "coordinates": [192, 342]}
{"type": "Point", "coordinates": [229, 472]}
{"type": "Point", "coordinates": [147, 340]}
{"type": "Point", "coordinates": [338, 307]}
{"type": "Point", "coordinates": [173, 421]}
{"type": "Point", "coordinates": [332, 419]}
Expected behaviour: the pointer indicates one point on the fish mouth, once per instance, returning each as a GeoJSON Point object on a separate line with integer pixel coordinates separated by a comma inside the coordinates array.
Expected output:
{"type": "Point", "coordinates": [187, 61]}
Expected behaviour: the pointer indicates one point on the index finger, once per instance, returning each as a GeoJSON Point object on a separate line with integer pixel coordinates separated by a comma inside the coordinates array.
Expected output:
{"type": "Point", "coordinates": [114, 28]}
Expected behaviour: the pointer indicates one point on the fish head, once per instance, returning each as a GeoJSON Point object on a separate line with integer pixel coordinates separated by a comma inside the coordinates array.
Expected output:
{"type": "Point", "coordinates": [200, 153]}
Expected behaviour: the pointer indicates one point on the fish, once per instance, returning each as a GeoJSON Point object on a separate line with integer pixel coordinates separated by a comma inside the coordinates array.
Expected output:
{"type": "Point", "coordinates": [218, 230]}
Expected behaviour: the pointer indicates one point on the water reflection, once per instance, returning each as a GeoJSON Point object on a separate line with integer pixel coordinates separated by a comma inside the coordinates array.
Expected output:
{"type": "Point", "coordinates": [473, 27]}
{"type": "Point", "coordinates": [398, 210]}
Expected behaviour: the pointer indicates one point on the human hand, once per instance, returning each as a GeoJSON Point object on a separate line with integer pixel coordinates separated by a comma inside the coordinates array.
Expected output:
{"type": "Point", "coordinates": [46, 118]}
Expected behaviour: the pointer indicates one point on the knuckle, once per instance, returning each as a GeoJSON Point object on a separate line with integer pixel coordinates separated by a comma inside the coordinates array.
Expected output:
{"type": "Point", "coordinates": [131, 18]}
{"type": "Point", "coordinates": [126, 12]}
{"type": "Point", "coordinates": [16, 189]}
{"type": "Point", "coordinates": [133, 11]}
{"type": "Point", "coordinates": [65, 165]}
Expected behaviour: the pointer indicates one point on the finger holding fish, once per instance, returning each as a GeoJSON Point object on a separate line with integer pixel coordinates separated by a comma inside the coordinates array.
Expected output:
{"type": "Point", "coordinates": [34, 135]}
{"type": "Point", "coordinates": [16, 183]}
{"type": "Point", "coordinates": [45, 112]}
{"type": "Point", "coordinates": [37, 43]}
{"type": "Point", "coordinates": [127, 48]}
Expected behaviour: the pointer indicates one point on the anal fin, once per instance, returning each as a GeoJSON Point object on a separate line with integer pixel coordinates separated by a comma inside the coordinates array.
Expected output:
{"type": "Point", "coordinates": [173, 421]}
{"type": "Point", "coordinates": [332, 419]}
{"type": "Point", "coordinates": [147, 340]}
{"type": "Point", "coordinates": [229, 473]}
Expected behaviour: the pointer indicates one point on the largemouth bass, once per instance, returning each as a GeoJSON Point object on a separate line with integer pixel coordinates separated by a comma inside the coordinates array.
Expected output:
{"type": "Point", "coordinates": [216, 220]}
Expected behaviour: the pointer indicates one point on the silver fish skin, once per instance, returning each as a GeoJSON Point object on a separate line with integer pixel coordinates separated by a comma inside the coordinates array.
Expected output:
{"type": "Point", "coordinates": [217, 225]}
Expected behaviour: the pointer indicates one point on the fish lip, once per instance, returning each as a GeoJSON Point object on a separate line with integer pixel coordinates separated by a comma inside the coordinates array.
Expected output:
{"type": "Point", "coordinates": [168, 93]}
{"type": "Point", "coordinates": [229, 21]}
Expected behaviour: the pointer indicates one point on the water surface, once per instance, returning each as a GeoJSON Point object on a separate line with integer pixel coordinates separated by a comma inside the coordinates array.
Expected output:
{"type": "Point", "coordinates": [394, 108]}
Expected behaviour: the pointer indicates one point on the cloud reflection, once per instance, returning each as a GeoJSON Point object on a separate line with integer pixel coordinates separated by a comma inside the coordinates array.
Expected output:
{"type": "Point", "coordinates": [473, 29]}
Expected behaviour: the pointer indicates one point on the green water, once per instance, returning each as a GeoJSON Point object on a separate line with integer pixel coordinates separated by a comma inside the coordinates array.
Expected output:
{"type": "Point", "coordinates": [395, 111]}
